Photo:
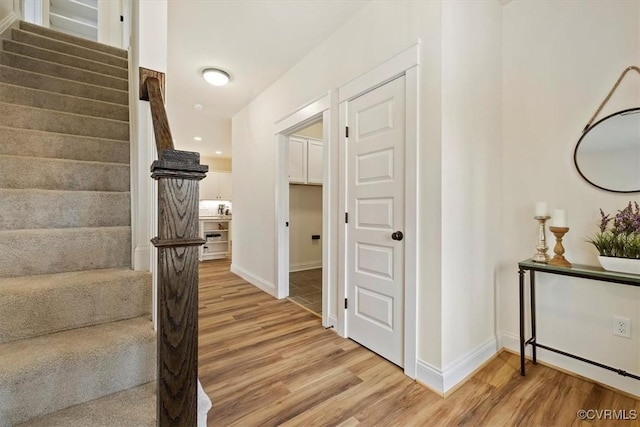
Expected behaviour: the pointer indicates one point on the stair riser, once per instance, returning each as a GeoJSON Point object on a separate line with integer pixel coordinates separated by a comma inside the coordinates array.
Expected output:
{"type": "Point", "coordinates": [28, 252]}
{"type": "Point", "coordinates": [33, 313]}
{"type": "Point", "coordinates": [72, 39]}
{"type": "Point", "coordinates": [62, 71]}
{"type": "Point", "coordinates": [31, 209]}
{"type": "Point", "coordinates": [19, 116]}
{"type": "Point", "coordinates": [20, 77]}
{"type": "Point", "coordinates": [71, 379]}
{"type": "Point", "coordinates": [31, 143]}
{"type": "Point", "coordinates": [54, 101]}
{"type": "Point", "coordinates": [54, 174]}
{"type": "Point", "coordinates": [60, 58]}
{"type": "Point", "coordinates": [66, 48]}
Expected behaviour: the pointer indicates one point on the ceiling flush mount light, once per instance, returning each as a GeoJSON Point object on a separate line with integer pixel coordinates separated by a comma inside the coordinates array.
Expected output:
{"type": "Point", "coordinates": [218, 152]}
{"type": "Point", "coordinates": [215, 76]}
{"type": "Point", "coordinates": [197, 138]}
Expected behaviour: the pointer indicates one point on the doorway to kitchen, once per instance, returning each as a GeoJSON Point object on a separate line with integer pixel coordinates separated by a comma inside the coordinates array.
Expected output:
{"type": "Point", "coordinates": [305, 166]}
{"type": "Point", "coordinates": [305, 217]}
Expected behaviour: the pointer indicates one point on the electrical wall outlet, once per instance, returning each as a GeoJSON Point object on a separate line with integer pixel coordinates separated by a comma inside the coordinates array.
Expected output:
{"type": "Point", "coordinates": [622, 326]}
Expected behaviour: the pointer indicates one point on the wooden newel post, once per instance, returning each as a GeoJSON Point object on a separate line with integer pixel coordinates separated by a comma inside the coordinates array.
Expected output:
{"type": "Point", "coordinates": [178, 174]}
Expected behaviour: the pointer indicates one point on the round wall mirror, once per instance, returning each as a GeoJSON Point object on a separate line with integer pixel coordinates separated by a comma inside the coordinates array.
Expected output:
{"type": "Point", "coordinates": [607, 155]}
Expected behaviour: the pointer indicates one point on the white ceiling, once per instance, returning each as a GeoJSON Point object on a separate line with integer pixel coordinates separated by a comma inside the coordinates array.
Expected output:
{"type": "Point", "coordinates": [255, 41]}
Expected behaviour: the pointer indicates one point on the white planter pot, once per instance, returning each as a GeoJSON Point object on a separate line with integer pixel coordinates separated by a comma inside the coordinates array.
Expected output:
{"type": "Point", "coordinates": [621, 265]}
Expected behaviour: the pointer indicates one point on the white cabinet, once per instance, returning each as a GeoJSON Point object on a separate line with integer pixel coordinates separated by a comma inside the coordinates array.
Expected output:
{"type": "Point", "coordinates": [216, 186]}
{"type": "Point", "coordinates": [314, 162]}
{"type": "Point", "coordinates": [217, 236]}
{"type": "Point", "coordinates": [305, 161]}
{"type": "Point", "coordinates": [297, 160]}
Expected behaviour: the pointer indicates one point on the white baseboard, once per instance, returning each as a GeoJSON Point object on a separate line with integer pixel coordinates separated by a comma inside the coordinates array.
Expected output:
{"type": "Point", "coordinates": [142, 258]}
{"type": "Point", "coordinates": [302, 266]}
{"type": "Point", "coordinates": [430, 376]}
{"type": "Point", "coordinates": [8, 21]}
{"type": "Point", "coordinates": [443, 380]}
{"type": "Point", "coordinates": [256, 281]}
{"type": "Point", "coordinates": [333, 321]}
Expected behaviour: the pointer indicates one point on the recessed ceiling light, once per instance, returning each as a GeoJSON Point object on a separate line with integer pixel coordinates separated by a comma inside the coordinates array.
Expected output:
{"type": "Point", "coordinates": [215, 76]}
{"type": "Point", "coordinates": [197, 138]}
{"type": "Point", "coordinates": [218, 152]}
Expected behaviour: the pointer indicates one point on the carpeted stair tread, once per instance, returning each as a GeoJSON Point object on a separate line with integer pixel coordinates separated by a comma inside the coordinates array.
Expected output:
{"type": "Point", "coordinates": [36, 80]}
{"type": "Point", "coordinates": [14, 94]}
{"type": "Point", "coordinates": [66, 48]}
{"type": "Point", "coordinates": [75, 366]}
{"type": "Point", "coordinates": [33, 209]}
{"type": "Point", "coordinates": [58, 250]}
{"type": "Point", "coordinates": [38, 305]}
{"type": "Point", "coordinates": [63, 71]}
{"type": "Point", "coordinates": [73, 39]}
{"type": "Point", "coordinates": [35, 143]}
{"type": "Point", "coordinates": [25, 117]}
{"type": "Point", "coordinates": [135, 407]}
{"type": "Point", "coordinates": [64, 59]}
{"type": "Point", "coordinates": [62, 174]}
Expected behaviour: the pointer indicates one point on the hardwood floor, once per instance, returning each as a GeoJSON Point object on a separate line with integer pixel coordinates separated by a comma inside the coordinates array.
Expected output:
{"type": "Point", "coordinates": [268, 362]}
{"type": "Point", "coordinates": [305, 288]}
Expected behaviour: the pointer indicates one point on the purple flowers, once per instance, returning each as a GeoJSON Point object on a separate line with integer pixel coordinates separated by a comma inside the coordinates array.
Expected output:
{"type": "Point", "coordinates": [622, 240]}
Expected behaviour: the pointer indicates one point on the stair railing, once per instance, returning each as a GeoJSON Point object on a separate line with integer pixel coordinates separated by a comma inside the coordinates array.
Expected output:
{"type": "Point", "coordinates": [178, 174]}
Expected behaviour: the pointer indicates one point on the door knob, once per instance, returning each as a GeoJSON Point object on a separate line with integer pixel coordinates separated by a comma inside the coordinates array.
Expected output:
{"type": "Point", "coordinates": [397, 235]}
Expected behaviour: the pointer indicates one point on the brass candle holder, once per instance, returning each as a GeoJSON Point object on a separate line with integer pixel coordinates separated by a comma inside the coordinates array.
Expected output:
{"type": "Point", "coordinates": [542, 247]}
{"type": "Point", "coordinates": [559, 260]}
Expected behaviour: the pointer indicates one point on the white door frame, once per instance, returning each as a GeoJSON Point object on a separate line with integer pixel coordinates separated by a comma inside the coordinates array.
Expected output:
{"type": "Point", "coordinates": [405, 63]}
{"type": "Point", "coordinates": [300, 118]}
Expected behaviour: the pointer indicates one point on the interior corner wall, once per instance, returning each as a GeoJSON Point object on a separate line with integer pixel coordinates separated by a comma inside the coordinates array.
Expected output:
{"type": "Point", "coordinates": [471, 148]}
{"type": "Point", "coordinates": [560, 59]}
{"type": "Point", "coordinates": [376, 33]}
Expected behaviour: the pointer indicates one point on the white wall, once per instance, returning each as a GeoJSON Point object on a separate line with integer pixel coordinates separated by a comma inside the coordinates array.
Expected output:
{"type": "Point", "coordinates": [379, 31]}
{"type": "Point", "coordinates": [560, 60]}
{"type": "Point", "coordinates": [10, 11]}
{"type": "Point", "coordinates": [471, 144]}
{"type": "Point", "coordinates": [305, 219]}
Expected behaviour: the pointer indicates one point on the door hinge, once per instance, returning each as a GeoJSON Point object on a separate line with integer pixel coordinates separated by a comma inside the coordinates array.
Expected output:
{"type": "Point", "coordinates": [286, 224]}
{"type": "Point", "coordinates": [347, 132]}
{"type": "Point", "coordinates": [121, 18]}
{"type": "Point", "coordinates": [345, 303]}
{"type": "Point", "coordinates": [346, 217]}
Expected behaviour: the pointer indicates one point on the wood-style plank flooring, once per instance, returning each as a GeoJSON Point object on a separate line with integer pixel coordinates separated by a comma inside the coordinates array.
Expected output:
{"type": "Point", "coordinates": [268, 362]}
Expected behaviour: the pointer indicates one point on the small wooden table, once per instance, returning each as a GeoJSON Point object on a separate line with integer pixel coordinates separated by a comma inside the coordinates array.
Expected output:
{"type": "Point", "coordinates": [581, 271]}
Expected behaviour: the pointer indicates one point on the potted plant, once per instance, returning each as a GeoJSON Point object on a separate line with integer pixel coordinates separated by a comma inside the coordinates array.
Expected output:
{"type": "Point", "coordinates": [618, 241]}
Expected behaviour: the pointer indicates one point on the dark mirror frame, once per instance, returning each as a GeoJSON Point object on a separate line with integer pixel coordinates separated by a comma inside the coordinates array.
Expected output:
{"type": "Point", "coordinates": [584, 134]}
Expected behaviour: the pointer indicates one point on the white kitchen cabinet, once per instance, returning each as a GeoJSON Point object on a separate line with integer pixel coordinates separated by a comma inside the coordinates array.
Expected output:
{"type": "Point", "coordinates": [216, 186]}
{"type": "Point", "coordinates": [217, 235]}
{"type": "Point", "coordinates": [305, 161]}
{"type": "Point", "coordinates": [297, 160]}
{"type": "Point", "coordinates": [314, 162]}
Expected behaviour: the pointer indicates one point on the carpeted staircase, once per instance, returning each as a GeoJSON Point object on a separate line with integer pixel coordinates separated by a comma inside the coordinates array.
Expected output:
{"type": "Point", "coordinates": [75, 320]}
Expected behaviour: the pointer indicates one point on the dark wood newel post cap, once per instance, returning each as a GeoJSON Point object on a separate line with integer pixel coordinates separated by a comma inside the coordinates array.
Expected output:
{"type": "Point", "coordinates": [178, 164]}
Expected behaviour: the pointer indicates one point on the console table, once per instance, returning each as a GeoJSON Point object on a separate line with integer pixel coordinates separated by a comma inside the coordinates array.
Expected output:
{"type": "Point", "coordinates": [581, 271]}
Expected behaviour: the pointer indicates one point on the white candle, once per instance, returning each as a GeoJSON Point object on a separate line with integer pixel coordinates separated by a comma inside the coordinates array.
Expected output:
{"type": "Point", "coordinates": [542, 209]}
{"type": "Point", "coordinates": [559, 218]}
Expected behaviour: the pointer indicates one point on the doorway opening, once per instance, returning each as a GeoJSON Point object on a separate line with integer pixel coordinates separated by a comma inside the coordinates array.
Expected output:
{"type": "Point", "coordinates": [305, 217]}
{"type": "Point", "coordinates": [315, 114]}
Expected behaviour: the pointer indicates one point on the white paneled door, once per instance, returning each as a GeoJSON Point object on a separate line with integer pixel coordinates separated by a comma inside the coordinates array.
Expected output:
{"type": "Point", "coordinates": [375, 200]}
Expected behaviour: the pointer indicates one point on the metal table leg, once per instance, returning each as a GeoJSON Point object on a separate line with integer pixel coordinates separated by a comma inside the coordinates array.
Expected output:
{"type": "Point", "coordinates": [534, 336]}
{"type": "Point", "coordinates": [521, 274]}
